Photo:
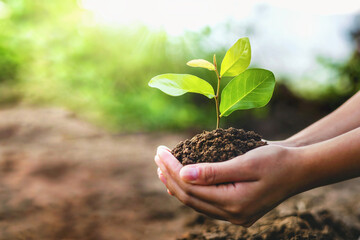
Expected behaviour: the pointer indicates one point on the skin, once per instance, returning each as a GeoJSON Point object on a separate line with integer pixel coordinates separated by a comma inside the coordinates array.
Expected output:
{"type": "Point", "coordinates": [342, 120]}
{"type": "Point", "coordinates": [244, 188]}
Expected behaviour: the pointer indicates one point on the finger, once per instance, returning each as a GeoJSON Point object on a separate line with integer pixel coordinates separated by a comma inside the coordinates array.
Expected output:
{"type": "Point", "coordinates": [169, 162]}
{"type": "Point", "coordinates": [213, 194]}
{"type": "Point", "coordinates": [164, 173]}
{"type": "Point", "coordinates": [223, 195]}
{"type": "Point", "coordinates": [234, 170]}
{"type": "Point", "coordinates": [213, 200]}
{"type": "Point", "coordinates": [171, 167]}
{"type": "Point", "coordinates": [182, 190]}
{"type": "Point", "coordinates": [165, 148]}
{"type": "Point", "coordinates": [197, 204]}
{"type": "Point", "coordinates": [163, 179]}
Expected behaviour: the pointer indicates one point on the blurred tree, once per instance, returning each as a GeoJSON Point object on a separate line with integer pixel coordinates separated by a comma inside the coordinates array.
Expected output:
{"type": "Point", "coordinates": [9, 64]}
{"type": "Point", "coordinates": [351, 69]}
{"type": "Point", "coordinates": [56, 54]}
{"type": "Point", "coordinates": [346, 78]}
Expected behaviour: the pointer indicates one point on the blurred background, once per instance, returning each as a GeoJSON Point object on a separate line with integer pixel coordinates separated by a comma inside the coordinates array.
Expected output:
{"type": "Point", "coordinates": [96, 57]}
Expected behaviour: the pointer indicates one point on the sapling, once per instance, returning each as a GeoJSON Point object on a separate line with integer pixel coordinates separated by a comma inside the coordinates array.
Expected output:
{"type": "Point", "coordinates": [249, 88]}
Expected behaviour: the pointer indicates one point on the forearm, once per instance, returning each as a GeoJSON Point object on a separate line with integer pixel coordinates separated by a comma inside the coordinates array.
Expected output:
{"type": "Point", "coordinates": [329, 161]}
{"type": "Point", "coordinates": [342, 120]}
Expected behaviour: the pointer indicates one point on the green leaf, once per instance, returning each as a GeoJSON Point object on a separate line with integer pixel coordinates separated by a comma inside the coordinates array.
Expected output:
{"type": "Point", "coordinates": [202, 64]}
{"type": "Point", "coordinates": [251, 89]}
{"type": "Point", "coordinates": [179, 84]}
{"type": "Point", "coordinates": [236, 59]}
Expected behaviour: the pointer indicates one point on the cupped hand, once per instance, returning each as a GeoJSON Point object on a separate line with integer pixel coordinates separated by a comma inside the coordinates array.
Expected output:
{"type": "Point", "coordinates": [240, 190]}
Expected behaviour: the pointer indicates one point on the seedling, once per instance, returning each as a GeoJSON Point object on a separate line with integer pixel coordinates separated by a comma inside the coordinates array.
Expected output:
{"type": "Point", "coordinates": [250, 88]}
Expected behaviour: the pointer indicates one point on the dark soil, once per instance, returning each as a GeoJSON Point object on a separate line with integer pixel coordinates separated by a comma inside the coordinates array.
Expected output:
{"type": "Point", "coordinates": [216, 146]}
{"type": "Point", "coordinates": [319, 225]}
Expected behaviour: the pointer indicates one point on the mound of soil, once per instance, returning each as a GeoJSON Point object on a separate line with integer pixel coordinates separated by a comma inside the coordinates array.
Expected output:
{"type": "Point", "coordinates": [297, 226]}
{"type": "Point", "coordinates": [216, 146]}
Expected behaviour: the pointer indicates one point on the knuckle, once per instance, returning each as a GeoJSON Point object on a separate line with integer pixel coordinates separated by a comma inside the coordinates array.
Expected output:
{"type": "Point", "coordinates": [242, 220]}
{"type": "Point", "coordinates": [247, 224]}
{"type": "Point", "coordinates": [209, 174]}
{"type": "Point", "coordinates": [164, 171]}
{"type": "Point", "coordinates": [185, 199]}
{"type": "Point", "coordinates": [251, 166]}
{"type": "Point", "coordinates": [237, 221]}
{"type": "Point", "coordinates": [234, 210]}
{"type": "Point", "coordinates": [188, 190]}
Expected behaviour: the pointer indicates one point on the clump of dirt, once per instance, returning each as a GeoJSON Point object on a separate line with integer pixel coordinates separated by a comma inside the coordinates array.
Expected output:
{"type": "Point", "coordinates": [303, 226]}
{"type": "Point", "coordinates": [216, 146]}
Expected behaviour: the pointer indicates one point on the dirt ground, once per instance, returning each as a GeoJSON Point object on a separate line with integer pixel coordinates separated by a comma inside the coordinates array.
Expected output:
{"type": "Point", "coordinates": [62, 178]}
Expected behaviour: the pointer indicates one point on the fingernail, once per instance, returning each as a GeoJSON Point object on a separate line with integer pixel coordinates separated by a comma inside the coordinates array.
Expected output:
{"type": "Point", "coordinates": [158, 172]}
{"type": "Point", "coordinates": [162, 148]}
{"type": "Point", "coordinates": [170, 193]}
{"type": "Point", "coordinates": [189, 173]}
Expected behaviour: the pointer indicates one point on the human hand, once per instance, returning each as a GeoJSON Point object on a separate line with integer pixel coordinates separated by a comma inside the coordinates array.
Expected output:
{"type": "Point", "coordinates": [240, 190]}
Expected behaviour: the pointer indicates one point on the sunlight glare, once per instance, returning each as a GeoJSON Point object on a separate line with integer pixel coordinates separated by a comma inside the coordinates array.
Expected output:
{"type": "Point", "coordinates": [176, 16]}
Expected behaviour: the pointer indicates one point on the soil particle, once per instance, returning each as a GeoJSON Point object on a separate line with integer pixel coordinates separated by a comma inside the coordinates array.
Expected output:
{"type": "Point", "coordinates": [216, 146]}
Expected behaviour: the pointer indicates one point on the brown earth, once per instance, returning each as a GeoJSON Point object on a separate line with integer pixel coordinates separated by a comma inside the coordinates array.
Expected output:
{"type": "Point", "coordinates": [216, 146]}
{"type": "Point", "coordinates": [304, 225]}
{"type": "Point", "coordinates": [61, 178]}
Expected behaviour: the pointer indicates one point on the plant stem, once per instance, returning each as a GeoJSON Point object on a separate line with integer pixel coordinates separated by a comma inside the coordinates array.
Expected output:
{"type": "Point", "coordinates": [217, 113]}
{"type": "Point", "coordinates": [217, 96]}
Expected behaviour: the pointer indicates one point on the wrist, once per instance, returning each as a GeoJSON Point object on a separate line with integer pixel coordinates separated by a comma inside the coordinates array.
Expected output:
{"type": "Point", "coordinates": [284, 143]}
{"type": "Point", "coordinates": [294, 142]}
{"type": "Point", "coordinates": [301, 172]}
{"type": "Point", "coordinates": [311, 167]}
{"type": "Point", "coordinates": [289, 142]}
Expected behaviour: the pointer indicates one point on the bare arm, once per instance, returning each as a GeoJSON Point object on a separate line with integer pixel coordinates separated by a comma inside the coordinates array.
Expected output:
{"type": "Point", "coordinates": [331, 161]}
{"type": "Point", "coordinates": [342, 120]}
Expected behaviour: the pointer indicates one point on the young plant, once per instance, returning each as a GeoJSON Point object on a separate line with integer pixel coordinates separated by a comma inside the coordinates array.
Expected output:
{"type": "Point", "coordinates": [250, 88]}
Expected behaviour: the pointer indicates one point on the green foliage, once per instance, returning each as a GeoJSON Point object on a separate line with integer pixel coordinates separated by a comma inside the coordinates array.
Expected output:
{"type": "Point", "coordinates": [9, 64]}
{"type": "Point", "coordinates": [179, 84]}
{"type": "Point", "coordinates": [52, 53]}
{"type": "Point", "coordinates": [237, 58]}
{"type": "Point", "coordinates": [251, 89]}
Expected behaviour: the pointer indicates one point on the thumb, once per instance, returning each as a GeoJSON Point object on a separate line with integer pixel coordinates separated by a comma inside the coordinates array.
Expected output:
{"type": "Point", "coordinates": [215, 173]}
